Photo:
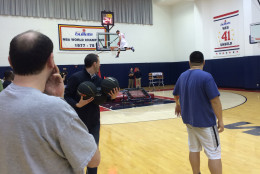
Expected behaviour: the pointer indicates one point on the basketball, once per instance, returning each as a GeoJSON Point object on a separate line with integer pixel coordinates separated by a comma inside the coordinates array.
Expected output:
{"type": "Point", "coordinates": [87, 89]}
{"type": "Point", "coordinates": [100, 98]}
{"type": "Point", "coordinates": [108, 84]}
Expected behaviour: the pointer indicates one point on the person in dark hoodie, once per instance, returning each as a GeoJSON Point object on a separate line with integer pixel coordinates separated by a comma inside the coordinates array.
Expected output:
{"type": "Point", "coordinates": [87, 110]}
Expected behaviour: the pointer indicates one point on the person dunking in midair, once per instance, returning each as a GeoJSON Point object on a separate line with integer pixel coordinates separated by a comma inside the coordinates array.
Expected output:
{"type": "Point", "coordinates": [122, 44]}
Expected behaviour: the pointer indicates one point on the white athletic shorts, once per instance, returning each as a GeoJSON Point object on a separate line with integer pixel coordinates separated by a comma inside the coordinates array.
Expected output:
{"type": "Point", "coordinates": [123, 44]}
{"type": "Point", "coordinates": [208, 138]}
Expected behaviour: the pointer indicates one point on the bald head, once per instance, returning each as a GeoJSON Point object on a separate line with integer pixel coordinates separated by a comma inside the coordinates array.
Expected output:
{"type": "Point", "coordinates": [29, 52]}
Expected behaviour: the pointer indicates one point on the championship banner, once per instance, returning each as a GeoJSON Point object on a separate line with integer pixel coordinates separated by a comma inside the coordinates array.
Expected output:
{"type": "Point", "coordinates": [227, 34]}
{"type": "Point", "coordinates": [78, 37]}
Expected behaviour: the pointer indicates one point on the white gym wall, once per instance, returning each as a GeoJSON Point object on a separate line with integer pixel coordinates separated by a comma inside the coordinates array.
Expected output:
{"type": "Point", "coordinates": [178, 29]}
{"type": "Point", "coordinates": [193, 26]}
{"type": "Point", "coordinates": [152, 42]}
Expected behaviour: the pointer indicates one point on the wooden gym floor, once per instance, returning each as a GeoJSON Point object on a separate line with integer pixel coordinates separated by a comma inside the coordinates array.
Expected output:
{"type": "Point", "coordinates": [161, 146]}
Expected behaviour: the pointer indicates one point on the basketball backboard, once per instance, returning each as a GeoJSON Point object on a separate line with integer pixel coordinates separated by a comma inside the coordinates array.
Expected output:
{"type": "Point", "coordinates": [254, 33]}
{"type": "Point", "coordinates": [106, 40]}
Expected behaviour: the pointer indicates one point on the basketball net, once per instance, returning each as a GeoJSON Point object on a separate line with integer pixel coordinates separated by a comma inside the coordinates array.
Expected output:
{"type": "Point", "coordinates": [113, 50]}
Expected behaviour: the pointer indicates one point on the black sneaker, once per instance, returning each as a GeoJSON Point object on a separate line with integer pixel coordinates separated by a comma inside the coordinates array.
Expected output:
{"type": "Point", "coordinates": [133, 49]}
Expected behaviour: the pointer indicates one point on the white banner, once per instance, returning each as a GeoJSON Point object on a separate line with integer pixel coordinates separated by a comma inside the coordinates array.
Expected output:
{"type": "Point", "coordinates": [78, 38]}
{"type": "Point", "coordinates": [226, 32]}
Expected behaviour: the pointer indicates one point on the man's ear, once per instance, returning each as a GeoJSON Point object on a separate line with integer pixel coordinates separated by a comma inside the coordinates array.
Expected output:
{"type": "Point", "coordinates": [94, 64]}
{"type": "Point", "coordinates": [50, 61]}
{"type": "Point", "coordinates": [9, 60]}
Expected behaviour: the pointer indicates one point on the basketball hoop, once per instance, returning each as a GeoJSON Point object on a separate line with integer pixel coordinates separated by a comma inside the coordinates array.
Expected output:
{"type": "Point", "coordinates": [113, 50]}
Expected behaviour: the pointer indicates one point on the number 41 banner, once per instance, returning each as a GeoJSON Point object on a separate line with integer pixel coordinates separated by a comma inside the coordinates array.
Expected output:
{"type": "Point", "coordinates": [227, 34]}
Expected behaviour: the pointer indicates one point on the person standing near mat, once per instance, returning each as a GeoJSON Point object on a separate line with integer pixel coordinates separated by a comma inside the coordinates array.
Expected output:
{"type": "Point", "coordinates": [122, 43]}
{"type": "Point", "coordinates": [197, 101]}
{"type": "Point", "coordinates": [138, 76]}
{"type": "Point", "coordinates": [1, 86]}
{"type": "Point", "coordinates": [87, 110]}
{"type": "Point", "coordinates": [131, 78]}
{"type": "Point", "coordinates": [40, 133]}
{"type": "Point", "coordinates": [8, 78]}
{"type": "Point", "coordinates": [64, 74]}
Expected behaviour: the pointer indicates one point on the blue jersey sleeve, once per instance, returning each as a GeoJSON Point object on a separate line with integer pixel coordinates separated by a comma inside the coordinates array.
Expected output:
{"type": "Point", "coordinates": [176, 90]}
{"type": "Point", "coordinates": [211, 88]}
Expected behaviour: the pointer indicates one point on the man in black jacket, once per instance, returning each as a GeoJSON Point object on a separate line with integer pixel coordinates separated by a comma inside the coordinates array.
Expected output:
{"type": "Point", "coordinates": [87, 110]}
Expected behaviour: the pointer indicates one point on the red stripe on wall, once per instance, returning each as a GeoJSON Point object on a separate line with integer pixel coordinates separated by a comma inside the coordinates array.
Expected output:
{"type": "Point", "coordinates": [227, 47]}
{"type": "Point", "coordinates": [226, 14]}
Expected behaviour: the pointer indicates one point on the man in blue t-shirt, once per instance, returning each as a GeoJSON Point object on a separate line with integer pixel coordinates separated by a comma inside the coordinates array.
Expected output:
{"type": "Point", "coordinates": [197, 101]}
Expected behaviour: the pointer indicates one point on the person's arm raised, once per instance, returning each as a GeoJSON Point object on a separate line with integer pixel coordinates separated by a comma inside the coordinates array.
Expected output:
{"type": "Point", "coordinates": [54, 85]}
